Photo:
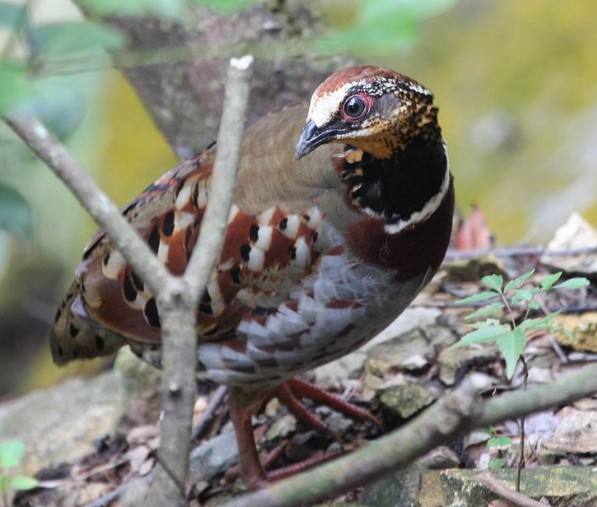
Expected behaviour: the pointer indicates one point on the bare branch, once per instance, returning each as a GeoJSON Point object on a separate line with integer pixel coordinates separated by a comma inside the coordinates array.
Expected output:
{"type": "Point", "coordinates": [458, 411]}
{"type": "Point", "coordinates": [500, 489]}
{"type": "Point", "coordinates": [223, 179]}
{"type": "Point", "coordinates": [178, 311]}
{"type": "Point", "coordinates": [136, 252]}
{"type": "Point", "coordinates": [518, 251]}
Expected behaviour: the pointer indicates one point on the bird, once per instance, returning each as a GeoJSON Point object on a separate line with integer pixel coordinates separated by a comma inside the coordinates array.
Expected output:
{"type": "Point", "coordinates": [342, 213]}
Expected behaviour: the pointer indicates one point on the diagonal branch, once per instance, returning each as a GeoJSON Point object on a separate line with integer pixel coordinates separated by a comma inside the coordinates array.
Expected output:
{"type": "Point", "coordinates": [128, 242]}
{"type": "Point", "coordinates": [178, 311]}
{"type": "Point", "coordinates": [223, 180]}
{"type": "Point", "coordinates": [459, 411]}
{"type": "Point", "coordinates": [176, 297]}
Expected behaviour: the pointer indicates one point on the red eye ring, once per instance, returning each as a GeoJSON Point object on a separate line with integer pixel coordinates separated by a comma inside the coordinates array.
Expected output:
{"type": "Point", "coordinates": [356, 106]}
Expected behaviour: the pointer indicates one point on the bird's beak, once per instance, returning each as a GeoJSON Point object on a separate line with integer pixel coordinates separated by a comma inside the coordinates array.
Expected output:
{"type": "Point", "coordinates": [311, 137]}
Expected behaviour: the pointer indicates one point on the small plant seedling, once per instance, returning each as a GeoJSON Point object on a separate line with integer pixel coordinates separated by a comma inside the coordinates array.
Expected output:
{"type": "Point", "coordinates": [498, 442]}
{"type": "Point", "coordinates": [496, 322]}
{"type": "Point", "coordinates": [11, 455]}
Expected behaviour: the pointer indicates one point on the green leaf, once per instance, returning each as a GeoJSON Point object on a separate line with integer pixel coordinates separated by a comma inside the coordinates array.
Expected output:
{"type": "Point", "coordinates": [497, 463]}
{"type": "Point", "coordinates": [15, 86]}
{"type": "Point", "coordinates": [483, 334]}
{"type": "Point", "coordinates": [493, 282]}
{"type": "Point", "coordinates": [539, 323]}
{"type": "Point", "coordinates": [11, 14]}
{"type": "Point", "coordinates": [23, 482]}
{"type": "Point", "coordinates": [548, 281]}
{"type": "Point", "coordinates": [225, 5]}
{"type": "Point", "coordinates": [477, 298]}
{"type": "Point", "coordinates": [517, 282]}
{"type": "Point", "coordinates": [15, 213]}
{"type": "Point", "coordinates": [487, 311]}
{"type": "Point", "coordinates": [58, 39]}
{"type": "Point", "coordinates": [162, 8]}
{"type": "Point", "coordinates": [573, 283]}
{"type": "Point", "coordinates": [511, 346]}
{"type": "Point", "coordinates": [11, 453]}
{"type": "Point", "coordinates": [524, 295]}
{"type": "Point", "coordinates": [382, 26]}
{"type": "Point", "coordinates": [502, 441]}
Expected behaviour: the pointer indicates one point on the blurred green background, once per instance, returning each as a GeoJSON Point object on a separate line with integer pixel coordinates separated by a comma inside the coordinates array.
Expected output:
{"type": "Point", "coordinates": [515, 83]}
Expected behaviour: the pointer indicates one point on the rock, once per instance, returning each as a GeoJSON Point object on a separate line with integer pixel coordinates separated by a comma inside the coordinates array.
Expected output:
{"type": "Point", "coordinates": [338, 371]}
{"type": "Point", "coordinates": [575, 233]}
{"type": "Point", "coordinates": [454, 360]}
{"type": "Point", "coordinates": [409, 351]}
{"type": "Point", "coordinates": [564, 486]}
{"type": "Point", "coordinates": [351, 366]}
{"type": "Point", "coordinates": [578, 331]}
{"type": "Point", "coordinates": [399, 489]}
{"type": "Point", "coordinates": [411, 318]}
{"type": "Point", "coordinates": [141, 385]}
{"type": "Point", "coordinates": [212, 457]}
{"type": "Point", "coordinates": [338, 423]}
{"type": "Point", "coordinates": [575, 434]}
{"type": "Point", "coordinates": [88, 409]}
{"type": "Point", "coordinates": [406, 400]}
{"type": "Point", "coordinates": [282, 427]}
{"type": "Point", "coordinates": [439, 458]}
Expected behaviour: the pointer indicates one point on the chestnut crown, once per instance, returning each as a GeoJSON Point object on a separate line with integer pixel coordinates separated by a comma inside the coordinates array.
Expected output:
{"type": "Point", "coordinates": [372, 108]}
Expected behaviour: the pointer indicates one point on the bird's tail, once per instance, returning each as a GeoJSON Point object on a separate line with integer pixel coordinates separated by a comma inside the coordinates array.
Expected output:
{"type": "Point", "coordinates": [75, 336]}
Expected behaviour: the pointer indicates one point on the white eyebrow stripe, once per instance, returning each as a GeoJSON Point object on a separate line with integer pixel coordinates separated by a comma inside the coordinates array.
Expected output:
{"type": "Point", "coordinates": [323, 108]}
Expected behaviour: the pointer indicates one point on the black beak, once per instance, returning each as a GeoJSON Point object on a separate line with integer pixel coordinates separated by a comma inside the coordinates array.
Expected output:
{"type": "Point", "coordinates": [311, 137]}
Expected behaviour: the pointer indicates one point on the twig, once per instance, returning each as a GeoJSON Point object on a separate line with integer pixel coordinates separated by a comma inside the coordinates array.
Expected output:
{"type": "Point", "coordinates": [177, 298]}
{"type": "Point", "coordinates": [518, 251]}
{"type": "Point", "coordinates": [521, 460]}
{"type": "Point", "coordinates": [459, 411]}
{"type": "Point", "coordinates": [128, 242]}
{"type": "Point", "coordinates": [214, 403]}
{"type": "Point", "coordinates": [179, 337]}
{"type": "Point", "coordinates": [505, 492]}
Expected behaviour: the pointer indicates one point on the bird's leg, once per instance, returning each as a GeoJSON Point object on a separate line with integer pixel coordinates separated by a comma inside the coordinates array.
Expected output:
{"type": "Point", "coordinates": [287, 397]}
{"type": "Point", "coordinates": [301, 389]}
{"type": "Point", "coordinates": [241, 411]}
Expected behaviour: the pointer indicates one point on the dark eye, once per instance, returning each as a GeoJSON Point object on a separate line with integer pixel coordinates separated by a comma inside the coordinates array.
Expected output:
{"type": "Point", "coordinates": [355, 107]}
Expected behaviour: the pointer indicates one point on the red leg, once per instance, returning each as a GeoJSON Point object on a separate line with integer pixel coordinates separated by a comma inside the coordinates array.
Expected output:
{"type": "Point", "coordinates": [240, 413]}
{"type": "Point", "coordinates": [287, 397]}
{"type": "Point", "coordinates": [300, 388]}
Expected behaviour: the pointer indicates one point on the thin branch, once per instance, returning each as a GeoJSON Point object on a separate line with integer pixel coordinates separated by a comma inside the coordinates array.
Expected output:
{"type": "Point", "coordinates": [214, 403]}
{"type": "Point", "coordinates": [128, 242]}
{"type": "Point", "coordinates": [500, 489]}
{"type": "Point", "coordinates": [223, 181]}
{"type": "Point", "coordinates": [518, 251]}
{"type": "Point", "coordinates": [178, 311]}
{"type": "Point", "coordinates": [459, 411]}
{"type": "Point", "coordinates": [176, 297]}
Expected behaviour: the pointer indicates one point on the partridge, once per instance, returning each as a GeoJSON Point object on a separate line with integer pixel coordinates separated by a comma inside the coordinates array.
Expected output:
{"type": "Point", "coordinates": [337, 224]}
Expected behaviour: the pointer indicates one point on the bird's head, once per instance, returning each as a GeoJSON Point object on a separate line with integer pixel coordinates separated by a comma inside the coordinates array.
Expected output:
{"type": "Point", "coordinates": [374, 109]}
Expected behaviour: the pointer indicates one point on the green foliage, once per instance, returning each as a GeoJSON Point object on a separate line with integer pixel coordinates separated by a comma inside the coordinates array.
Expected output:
{"type": "Point", "coordinates": [522, 295]}
{"type": "Point", "coordinates": [11, 14]}
{"type": "Point", "coordinates": [11, 455]}
{"type": "Point", "coordinates": [224, 5]}
{"type": "Point", "coordinates": [383, 26]}
{"type": "Point", "coordinates": [499, 443]}
{"type": "Point", "coordinates": [15, 217]}
{"type": "Point", "coordinates": [164, 8]}
{"type": "Point", "coordinates": [68, 38]}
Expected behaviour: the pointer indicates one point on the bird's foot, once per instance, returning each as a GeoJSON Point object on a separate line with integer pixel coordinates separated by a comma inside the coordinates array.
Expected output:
{"type": "Point", "coordinates": [290, 394]}
{"type": "Point", "coordinates": [293, 390]}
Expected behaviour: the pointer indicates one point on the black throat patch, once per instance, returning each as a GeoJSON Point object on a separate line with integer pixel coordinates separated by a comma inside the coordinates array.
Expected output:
{"type": "Point", "coordinates": [396, 188]}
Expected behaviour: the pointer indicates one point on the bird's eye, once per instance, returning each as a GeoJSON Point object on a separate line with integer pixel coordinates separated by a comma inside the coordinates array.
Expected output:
{"type": "Point", "coordinates": [354, 107]}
